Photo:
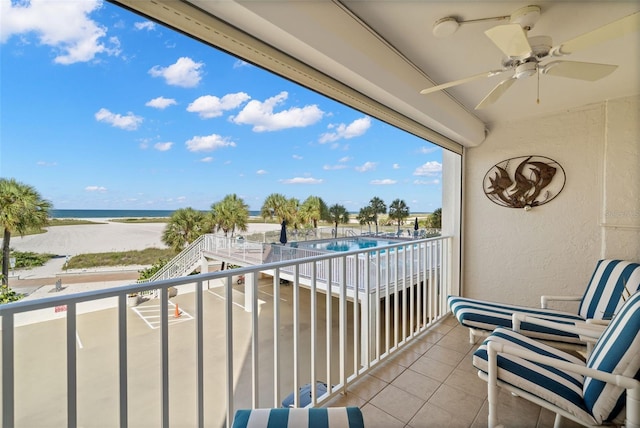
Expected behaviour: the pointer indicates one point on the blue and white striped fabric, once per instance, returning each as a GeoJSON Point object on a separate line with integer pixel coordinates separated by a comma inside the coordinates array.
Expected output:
{"type": "Point", "coordinates": [561, 388]}
{"type": "Point", "coordinates": [487, 316]}
{"type": "Point", "coordinates": [617, 352]}
{"type": "Point", "coordinates": [331, 417]}
{"type": "Point", "coordinates": [611, 282]}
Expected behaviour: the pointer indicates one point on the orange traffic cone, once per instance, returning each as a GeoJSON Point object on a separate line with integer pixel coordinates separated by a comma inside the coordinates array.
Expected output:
{"type": "Point", "coordinates": [177, 312]}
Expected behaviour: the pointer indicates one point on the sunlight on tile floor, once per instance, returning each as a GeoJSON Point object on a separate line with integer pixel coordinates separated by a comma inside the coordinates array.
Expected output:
{"type": "Point", "coordinates": [432, 383]}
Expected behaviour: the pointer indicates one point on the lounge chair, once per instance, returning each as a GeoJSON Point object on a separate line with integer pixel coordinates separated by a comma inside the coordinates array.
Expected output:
{"type": "Point", "coordinates": [339, 417]}
{"type": "Point", "coordinates": [591, 393]}
{"type": "Point", "coordinates": [611, 282]}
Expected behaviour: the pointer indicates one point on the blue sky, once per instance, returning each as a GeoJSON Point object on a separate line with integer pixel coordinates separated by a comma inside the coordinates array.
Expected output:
{"type": "Point", "coordinates": [116, 112]}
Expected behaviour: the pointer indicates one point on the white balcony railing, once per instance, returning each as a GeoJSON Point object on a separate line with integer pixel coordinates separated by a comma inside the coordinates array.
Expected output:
{"type": "Point", "coordinates": [201, 356]}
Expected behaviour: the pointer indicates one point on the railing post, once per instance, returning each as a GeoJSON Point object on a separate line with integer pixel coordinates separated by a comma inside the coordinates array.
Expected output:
{"type": "Point", "coordinates": [200, 354]}
{"type": "Point", "coordinates": [8, 390]}
{"type": "Point", "coordinates": [342, 335]}
{"type": "Point", "coordinates": [229, 347]}
{"type": "Point", "coordinates": [123, 361]}
{"type": "Point", "coordinates": [251, 283]}
{"type": "Point", "coordinates": [164, 350]}
{"type": "Point", "coordinates": [72, 375]}
{"type": "Point", "coordinates": [276, 338]}
{"type": "Point", "coordinates": [314, 333]}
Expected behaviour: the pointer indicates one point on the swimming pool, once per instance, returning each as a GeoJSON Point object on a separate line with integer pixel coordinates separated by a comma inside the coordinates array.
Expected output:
{"type": "Point", "coordinates": [346, 244]}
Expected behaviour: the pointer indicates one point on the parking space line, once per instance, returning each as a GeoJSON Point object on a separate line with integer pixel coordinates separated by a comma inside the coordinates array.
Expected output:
{"type": "Point", "coordinates": [151, 315]}
{"type": "Point", "coordinates": [222, 297]}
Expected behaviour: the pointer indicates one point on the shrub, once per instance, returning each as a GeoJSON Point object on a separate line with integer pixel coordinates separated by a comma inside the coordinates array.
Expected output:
{"type": "Point", "coordinates": [150, 271]}
{"type": "Point", "coordinates": [27, 259]}
{"type": "Point", "coordinates": [7, 295]}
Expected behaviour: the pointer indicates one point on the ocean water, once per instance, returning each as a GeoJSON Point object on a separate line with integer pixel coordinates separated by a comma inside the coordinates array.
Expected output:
{"type": "Point", "coordinates": [117, 213]}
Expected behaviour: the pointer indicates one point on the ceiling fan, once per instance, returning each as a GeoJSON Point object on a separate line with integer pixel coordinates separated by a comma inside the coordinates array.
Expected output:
{"type": "Point", "coordinates": [525, 55]}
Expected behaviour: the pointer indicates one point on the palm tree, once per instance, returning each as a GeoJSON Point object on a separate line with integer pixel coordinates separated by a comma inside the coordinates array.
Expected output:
{"type": "Point", "coordinates": [185, 226]}
{"type": "Point", "coordinates": [274, 206]}
{"type": "Point", "coordinates": [313, 209]}
{"type": "Point", "coordinates": [398, 211]}
{"type": "Point", "coordinates": [21, 208]}
{"type": "Point", "coordinates": [378, 207]}
{"type": "Point", "coordinates": [338, 214]}
{"type": "Point", "coordinates": [435, 219]}
{"type": "Point", "coordinates": [230, 214]}
{"type": "Point", "coordinates": [291, 215]}
{"type": "Point", "coordinates": [365, 216]}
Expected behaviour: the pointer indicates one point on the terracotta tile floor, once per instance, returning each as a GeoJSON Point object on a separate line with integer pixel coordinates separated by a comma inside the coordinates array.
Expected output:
{"type": "Point", "coordinates": [432, 383]}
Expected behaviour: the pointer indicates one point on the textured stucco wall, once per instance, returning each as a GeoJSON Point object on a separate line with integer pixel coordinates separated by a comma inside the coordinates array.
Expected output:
{"type": "Point", "coordinates": [515, 256]}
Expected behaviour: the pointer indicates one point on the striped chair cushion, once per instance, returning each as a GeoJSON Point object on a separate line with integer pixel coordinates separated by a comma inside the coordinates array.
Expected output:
{"type": "Point", "coordinates": [486, 315]}
{"type": "Point", "coordinates": [331, 417]}
{"type": "Point", "coordinates": [618, 352]}
{"type": "Point", "coordinates": [559, 387]}
{"type": "Point", "coordinates": [611, 282]}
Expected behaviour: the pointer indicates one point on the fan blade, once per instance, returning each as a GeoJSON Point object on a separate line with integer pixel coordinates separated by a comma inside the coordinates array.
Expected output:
{"type": "Point", "coordinates": [461, 81]}
{"type": "Point", "coordinates": [612, 30]}
{"type": "Point", "coordinates": [496, 93]}
{"type": "Point", "coordinates": [511, 39]}
{"type": "Point", "coordinates": [578, 70]}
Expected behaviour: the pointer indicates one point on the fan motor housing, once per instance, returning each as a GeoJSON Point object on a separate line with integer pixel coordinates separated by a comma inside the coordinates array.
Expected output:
{"type": "Point", "coordinates": [526, 70]}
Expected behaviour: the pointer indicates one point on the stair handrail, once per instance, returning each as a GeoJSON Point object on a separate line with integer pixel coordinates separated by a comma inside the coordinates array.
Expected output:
{"type": "Point", "coordinates": [191, 253]}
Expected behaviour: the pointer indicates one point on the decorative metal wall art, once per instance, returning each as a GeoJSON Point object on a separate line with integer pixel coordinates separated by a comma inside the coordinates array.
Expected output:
{"type": "Point", "coordinates": [524, 182]}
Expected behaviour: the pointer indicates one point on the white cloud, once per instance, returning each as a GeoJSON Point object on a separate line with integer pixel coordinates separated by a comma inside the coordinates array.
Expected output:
{"type": "Point", "coordinates": [208, 106]}
{"type": "Point", "coordinates": [208, 143]}
{"type": "Point", "coordinates": [430, 168]}
{"type": "Point", "coordinates": [100, 189]}
{"type": "Point", "coordinates": [396, 166]}
{"type": "Point", "coordinates": [297, 157]}
{"type": "Point", "coordinates": [261, 172]}
{"type": "Point", "coordinates": [44, 163]}
{"type": "Point", "coordinates": [302, 180]}
{"type": "Point", "coordinates": [240, 63]}
{"type": "Point", "coordinates": [185, 72]}
{"type": "Point", "coordinates": [367, 166]}
{"type": "Point", "coordinates": [130, 122]}
{"type": "Point", "coordinates": [426, 150]}
{"type": "Point", "coordinates": [262, 117]}
{"type": "Point", "coordinates": [345, 159]}
{"type": "Point", "coordinates": [163, 147]}
{"type": "Point", "coordinates": [50, 21]}
{"type": "Point", "coordinates": [145, 25]}
{"type": "Point", "coordinates": [161, 103]}
{"type": "Point", "coordinates": [206, 159]}
{"type": "Point", "coordinates": [434, 181]}
{"type": "Point", "coordinates": [384, 182]}
{"type": "Point", "coordinates": [333, 167]}
{"type": "Point", "coordinates": [354, 129]}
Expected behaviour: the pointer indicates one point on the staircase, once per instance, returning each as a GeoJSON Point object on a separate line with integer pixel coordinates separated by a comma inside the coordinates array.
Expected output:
{"type": "Point", "coordinates": [211, 246]}
{"type": "Point", "coordinates": [184, 263]}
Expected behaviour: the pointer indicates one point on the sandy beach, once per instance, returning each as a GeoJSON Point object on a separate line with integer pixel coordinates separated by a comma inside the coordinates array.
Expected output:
{"type": "Point", "coordinates": [107, 236]}
{"type": "Point", "coordinates": [104, 237]}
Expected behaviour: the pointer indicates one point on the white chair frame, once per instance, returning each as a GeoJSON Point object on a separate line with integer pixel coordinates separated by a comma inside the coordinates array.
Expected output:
{"type": "Point", "coordinates": [493, 349]}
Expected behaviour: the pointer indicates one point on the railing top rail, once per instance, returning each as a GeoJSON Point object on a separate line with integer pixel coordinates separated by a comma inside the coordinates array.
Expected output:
{"type": "Point", "coordinates": [29, 305]}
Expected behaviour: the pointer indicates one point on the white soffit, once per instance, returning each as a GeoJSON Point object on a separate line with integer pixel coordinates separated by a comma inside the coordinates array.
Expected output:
{"type": "Point", "coordinates": [360, 75]}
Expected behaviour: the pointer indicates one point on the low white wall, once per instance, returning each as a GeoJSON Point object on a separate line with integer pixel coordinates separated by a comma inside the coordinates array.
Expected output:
{"type": "Point", "coordinates": [515, 256]}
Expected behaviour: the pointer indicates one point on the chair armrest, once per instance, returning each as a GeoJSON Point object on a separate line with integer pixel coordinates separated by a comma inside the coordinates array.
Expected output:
{"type": "Point", "coordinates": [588, 332]}
{"type": "Point", "coordinates": [494, 348]}
{"type": "Point", "coordinates": [594, 322]}
{"type": "Point", "coordinates": [546, 299]}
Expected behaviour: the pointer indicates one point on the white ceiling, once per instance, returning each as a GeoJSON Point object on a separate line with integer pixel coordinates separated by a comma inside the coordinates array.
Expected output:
{"type": "Point", "coordinates": [387, 51]}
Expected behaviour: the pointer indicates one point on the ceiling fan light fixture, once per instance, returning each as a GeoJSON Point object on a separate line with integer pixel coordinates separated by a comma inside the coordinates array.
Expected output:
{"type": "Point", "coordinates": [445, 27]}
{"type": "Point", "coordinates": [526, 70]}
